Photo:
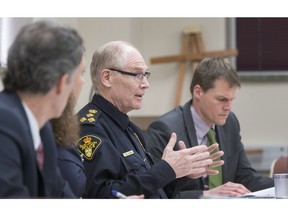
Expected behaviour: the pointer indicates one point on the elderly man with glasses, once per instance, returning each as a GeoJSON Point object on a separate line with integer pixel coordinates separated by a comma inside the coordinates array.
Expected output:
{"type": "Point", "coordinates": [113, 147]}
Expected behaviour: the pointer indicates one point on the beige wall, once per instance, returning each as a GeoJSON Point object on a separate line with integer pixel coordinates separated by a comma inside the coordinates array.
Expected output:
{"type": "Point", "coordinates": [261, 107]}
{"type": "Point", "coordinates": [262, 112]}
{"type": "Point", "coordinates": [154, 37]}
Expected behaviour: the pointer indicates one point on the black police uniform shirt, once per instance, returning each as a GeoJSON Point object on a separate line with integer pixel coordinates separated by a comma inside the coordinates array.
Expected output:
{"type": "Point", "coordinates": [114, 154]}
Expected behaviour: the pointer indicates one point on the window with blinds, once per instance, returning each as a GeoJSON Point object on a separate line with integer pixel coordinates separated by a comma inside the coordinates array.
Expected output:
{"type": "Point", "coordinates": [262, 44]}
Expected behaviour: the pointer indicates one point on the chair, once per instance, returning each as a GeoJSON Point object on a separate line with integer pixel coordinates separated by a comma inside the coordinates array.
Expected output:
{"type": "Point", "coordinates": [279, 165]}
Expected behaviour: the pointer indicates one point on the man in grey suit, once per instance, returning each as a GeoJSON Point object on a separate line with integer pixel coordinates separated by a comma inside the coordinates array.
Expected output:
{"type": "Point", "coordinates": [213, 89]}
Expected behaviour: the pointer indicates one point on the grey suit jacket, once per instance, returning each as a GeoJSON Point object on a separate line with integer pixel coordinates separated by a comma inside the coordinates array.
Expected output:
{"type": "Point", "coordinates": [236, 168]}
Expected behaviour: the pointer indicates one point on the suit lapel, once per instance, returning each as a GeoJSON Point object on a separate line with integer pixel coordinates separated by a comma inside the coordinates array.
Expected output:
{"type": "Point", "coordinates": [191, 132]}
{"type": "Point", "coordinates": [189, 125]}
{"type": "Point", "coordinates": [28, 133]}
{"type": "Point", "coordinates": [30, 147]}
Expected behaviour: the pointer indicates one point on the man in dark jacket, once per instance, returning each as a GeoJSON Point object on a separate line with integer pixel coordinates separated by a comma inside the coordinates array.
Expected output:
{"type": "Point", "coordinates": [42, 63]}
{"type": "Point", "coordinates": [213, 88]}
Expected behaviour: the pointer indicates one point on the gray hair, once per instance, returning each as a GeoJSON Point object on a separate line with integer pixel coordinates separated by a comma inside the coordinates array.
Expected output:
{"type": "Point", "coordinates": [41, 53]}
{"type": "Point", "coordinates": [111, 55]}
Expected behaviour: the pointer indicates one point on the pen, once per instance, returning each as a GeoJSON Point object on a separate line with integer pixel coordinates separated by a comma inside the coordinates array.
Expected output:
{"type": "Point", "coordinates": [118, 194]}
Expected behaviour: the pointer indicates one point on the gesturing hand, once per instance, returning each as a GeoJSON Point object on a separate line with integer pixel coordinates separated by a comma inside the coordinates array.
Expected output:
{"type": "Point", "coordinates": [186, 161]}
{"type": "Point", "coordinates": [213, 156]}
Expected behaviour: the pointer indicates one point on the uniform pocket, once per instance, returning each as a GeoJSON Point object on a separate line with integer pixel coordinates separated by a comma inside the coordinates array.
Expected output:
{"type": "Point", "coordinates": [134, 163]}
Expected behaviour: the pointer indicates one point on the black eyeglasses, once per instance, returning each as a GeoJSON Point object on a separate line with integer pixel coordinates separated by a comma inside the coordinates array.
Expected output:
{"type": "Point", "coordinates": [138, 75]}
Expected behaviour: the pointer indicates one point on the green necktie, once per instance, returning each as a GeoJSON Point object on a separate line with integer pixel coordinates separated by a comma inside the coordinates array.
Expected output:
{"type": "Point", "coordinates": [214, 180]}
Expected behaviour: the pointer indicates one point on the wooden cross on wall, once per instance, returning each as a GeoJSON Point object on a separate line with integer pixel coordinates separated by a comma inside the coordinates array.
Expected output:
{"type": "Point", "coordinates": [193, 50]}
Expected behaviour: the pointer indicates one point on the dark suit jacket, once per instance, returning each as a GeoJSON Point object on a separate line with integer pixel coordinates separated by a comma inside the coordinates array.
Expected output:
{"type": "Point", "coordinates": [20, 176]}
{"type": "Point", "coordinates": [236, 168]}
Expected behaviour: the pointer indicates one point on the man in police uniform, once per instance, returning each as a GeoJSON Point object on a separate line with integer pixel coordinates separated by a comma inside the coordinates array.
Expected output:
{"type": "Point", "coordinates": [113, 148]}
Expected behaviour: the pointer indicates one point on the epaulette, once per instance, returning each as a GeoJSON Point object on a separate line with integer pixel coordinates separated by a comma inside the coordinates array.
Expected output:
{"type": "Point", "coordinates": [88, 144]}
{"type": "Point", "coordinates": [89, 116]}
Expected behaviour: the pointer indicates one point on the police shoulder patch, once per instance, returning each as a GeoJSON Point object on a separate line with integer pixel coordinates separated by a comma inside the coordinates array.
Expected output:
{"type": "Point", "coordinates": [87, 145]}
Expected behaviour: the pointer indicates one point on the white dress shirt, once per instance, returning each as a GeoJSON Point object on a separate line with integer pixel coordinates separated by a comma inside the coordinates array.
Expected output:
{"type": "Point", "coordinates": [34, 127]}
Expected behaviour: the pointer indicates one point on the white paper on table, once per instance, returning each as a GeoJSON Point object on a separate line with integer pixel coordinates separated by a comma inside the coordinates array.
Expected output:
{"type": "Point", "coordinates": [265, 193]}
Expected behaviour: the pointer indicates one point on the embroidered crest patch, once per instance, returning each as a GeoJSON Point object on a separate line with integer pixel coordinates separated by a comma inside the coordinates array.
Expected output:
{"type": "Point", "coordinates": [87, 145]}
